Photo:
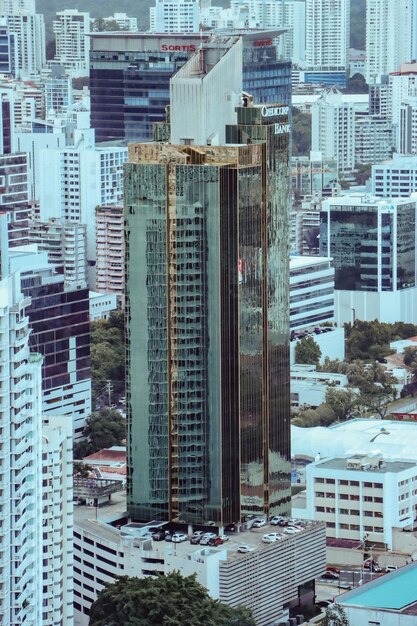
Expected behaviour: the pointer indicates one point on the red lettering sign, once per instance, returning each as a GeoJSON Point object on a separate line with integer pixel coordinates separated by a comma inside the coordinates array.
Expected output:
{"type": "Point", "coordinates": [177, 48]}
{"type": "Point", "coordinates": [262, 42]}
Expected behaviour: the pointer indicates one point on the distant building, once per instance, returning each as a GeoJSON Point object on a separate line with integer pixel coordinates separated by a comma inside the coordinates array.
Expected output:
{"type": "Point", "coordinates": [327, 34]}
{"type": "Point", "coordinates": [373, 245]}
{"type": "Point", "coordinates": [70, 30]}
{"type": "Point", "coordinates": [374, 139]}
{"type": "Point", "coordinates": [110, 254]}
{"type": "Point", "coordinates": [313, 176]}
{"type": "Point", "coordinates": [309, 386]}
{"type": "Point", "coordinates": [28, 30]}
{"type": "Point", "coordinates": [102, 305]}
{"type": "Point", "coordinates": [390, 35]}
{"type": "Point", "coordinates": [175, 16]}
{"type": "Point", "coordinates": [396, 178]}
{"type": "Point", "coordinates": [311, 291]}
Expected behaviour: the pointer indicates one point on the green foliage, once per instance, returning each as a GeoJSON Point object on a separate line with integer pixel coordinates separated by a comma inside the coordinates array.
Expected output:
{"type": "Point", "coordinates": [322, 416]}
{"type": "Point", "coordinates": [357, 84]}
{"type": "Point", "coordinates": [81, 470]}
{"type": "Point", "coordinates": [307, 351]}
{"type": "Point", "coordinates": [369, 341]}
{"type": "Point", "coordinates": [301, 133]}
{"type": "Point", "coordinates": [342, 402]}
{"type": "Point", "coordinates": [335, 616]}
{"type": "Point", "coordinates": [104, 429]}
{"type": "Point", "coordinates": [410, 357]}
{"type": "Point", "coordinates": [170, 600]}
{"type": "Point", "coordinates": [99, 25]}
{"type": "Point", "coordinates": [363, 173]}
{"type": "Point", "coordinates": [108, 354]}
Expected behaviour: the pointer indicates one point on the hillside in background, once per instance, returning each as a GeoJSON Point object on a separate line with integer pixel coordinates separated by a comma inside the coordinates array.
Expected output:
{"type": "Point", "coordinates": [140, 9]}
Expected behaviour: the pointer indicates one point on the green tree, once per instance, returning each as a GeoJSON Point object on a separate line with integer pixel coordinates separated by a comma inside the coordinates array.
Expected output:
{"type": "Point", "coordinates": [104, 429]}
{"type": "Point", "coordinates": [301, 132]}
{"type": "Point", "coordinates": [81, 470]}
{"type": "Point", "coordinates": [170, 600]}
{"type": "Point", "coordinates": [335, 616]}
{"type": "Point", "coordinates": [100, 25]}
{"type": "Point", "coordinates": [307, 351]}
{"type": "Point", "coordinates": [108, 355]}
{"type": "Point", "coordinates": [323, 415]}
{"type": "Point", "coordinates": [342, 402]}
{"type": "Point", "coordinates": [410, 357]}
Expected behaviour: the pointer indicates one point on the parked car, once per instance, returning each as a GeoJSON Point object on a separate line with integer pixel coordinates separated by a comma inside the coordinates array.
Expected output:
{"type": "Point", "coordinates": [179, 537]}
{"type": "Point", "coordinates": [271, 537]}
{"type": "Point", "coordinates": [168, 536]}
{"type": "Point", "coordinates": [283, 522]}
{"type": "Point", "coordinates": [330, 576]}
{"type": "Point", "coordinates": [291, 530]}
{"type": "Point", "coordinates": [323, 603]}
{"type": "Point", "coordinates": [158, 535]}
{"type": "Point", "coordinates": [276, 520]}
{"type": "Point", "coordinates": [331, 568]}
{"type": "Point", "coordinates": [204, 541]}
{"type": "Point", "coordinates": [245, 548]}
{"type": "Point", "coordinates": [215, 541]}
{"type": "Point", "coordinates": [391, 568]}
{"type": "Point", "coordinates": [258, 523]}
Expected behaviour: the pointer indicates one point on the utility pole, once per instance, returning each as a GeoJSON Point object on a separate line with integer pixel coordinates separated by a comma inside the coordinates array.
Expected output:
{"type": "Point", "coordinates": [109, 389]}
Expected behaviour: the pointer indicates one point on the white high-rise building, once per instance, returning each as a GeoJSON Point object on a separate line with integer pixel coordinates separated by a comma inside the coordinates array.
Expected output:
{"type": "Point", "coordinates": [20, 467]}
{"type": "Point", "coordinates": [70, 29]}
{"type": "Point", "coordinates": [333, 129]}
{"type": "Point", "coordinates": [123, 21]}
{"type": "Point", "coordinates": [390, 36]}
{"type": "Point", "coordinates": [84, 177]}
{"type": "Point", "coordinates": [327, 33]}
{"type": "Point", "coordinates": [17, 6]}
{"type": "Point", "coordinates": [57, 522]}
{"type": "Point", "coordinates": [175, 16]}
{"type": "Point", "coordinates": [29, 41]}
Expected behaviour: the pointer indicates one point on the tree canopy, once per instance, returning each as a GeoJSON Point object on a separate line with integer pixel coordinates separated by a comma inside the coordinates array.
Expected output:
{"type": "Point", "coordinates": [369, 341]}
{"type": "Point", "coordinates": [301, 132]}
{"type": "Point", "coordinates": [171, 600]}
{"type": "Point", "coordinates": [307, 351]}
{"type": "Point", "coordinates": [335, 616]}
{"type": "Point", "coordinates": [104, 429]}
{"type": "Point", "coordinates": [108, 354]}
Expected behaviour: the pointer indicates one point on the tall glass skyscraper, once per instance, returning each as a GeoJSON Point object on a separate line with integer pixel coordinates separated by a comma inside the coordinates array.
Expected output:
{"type": "Point", "coordinates": [208, 324]}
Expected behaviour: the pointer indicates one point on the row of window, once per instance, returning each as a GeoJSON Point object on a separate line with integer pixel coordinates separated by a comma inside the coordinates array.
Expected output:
{"type": "Point", "coordinates": [351, 483]}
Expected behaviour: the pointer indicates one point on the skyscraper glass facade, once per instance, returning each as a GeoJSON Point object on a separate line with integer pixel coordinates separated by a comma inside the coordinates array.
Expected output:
{"type": "Point", "coordinates": [208, 325]}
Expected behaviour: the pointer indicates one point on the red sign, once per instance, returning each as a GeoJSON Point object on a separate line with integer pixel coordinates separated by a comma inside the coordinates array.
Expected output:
{"type": "Point", "coordinates": [177, 48]}
{"type": "Point", "coordinates": [262, 42]}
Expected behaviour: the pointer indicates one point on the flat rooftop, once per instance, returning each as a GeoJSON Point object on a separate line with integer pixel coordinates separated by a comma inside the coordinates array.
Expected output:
{"type": "Point", "coordinates": [393, 467]}
{"type": "Point", "coordinates": [97, 522]}
{"type": "Point", "coordinates": [396, 591]}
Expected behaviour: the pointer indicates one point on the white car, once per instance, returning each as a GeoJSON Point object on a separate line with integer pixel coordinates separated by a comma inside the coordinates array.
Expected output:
{"type": "Point", "coordinates": [179, 537]}
{"type": "Point", "coordinates": [245, 549]}
{"type": "Point", "coordinates": [258, 523]}
{"type": "Point", "coordinates": [271, 537]}
{"type": "Point", "coordinates": [204, 541]}
{"type": "Point", "coordinates": [276, 520]}
{"type": "Point", "coordinates": [291, 530]}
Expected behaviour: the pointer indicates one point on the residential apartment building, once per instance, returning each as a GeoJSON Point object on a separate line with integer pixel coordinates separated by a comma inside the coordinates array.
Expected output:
{"type": "Point", "coordinates": [374, 139]}
{"type": "Point", "coordinates": [21, 471]}
{"type": "Point", "coordinates": [373, 245]}
{"type": "Point", "coordinates": [58, 92]}
{"type": "Point", "coordinates": [65, 242]}
{"type": "Point", "coordinates": [57, 522]}
{"type": "Point", "coordinates": [396, 178]}
{"type": "Point", "coordinates": [327, 33]}
{"type": "Point", "coordinates": [14, 200]}
{"type": "Point", "coordinates": [59, 320]}
{"type": "Point", "coordinates": [110, 255]}
{"type": "Point", "coordinates": [213, 326]}
{"type": "Point", "coordinates": [390, 34]}
{"type": "Point", "coordinates": [8, 52]}
{"type": "Point", "coordinates": [175, 16]}
{"type": "Point", "coordinates": [86, 176]}
{"type": "Point", "coordinates": [28, 30]}
{"type": "Point", "coordinates": [333, 130]}
{"type": "Point", "coordinates": [70, 30]}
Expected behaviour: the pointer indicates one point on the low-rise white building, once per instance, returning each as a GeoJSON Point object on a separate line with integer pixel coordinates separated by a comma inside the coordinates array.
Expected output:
{"type": "Point", "coordinates": [309, 387]}
{"type": "Point", "coordinates": [362, 496]}
{"type": "Point", "coordinates": [104, 550]}
{"type": "Point", "coordinates": [311, 291]}
{"type": "Point", "coordinates": [389, 600]}
{"type": "Point", "coordinates": [101, 305]}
